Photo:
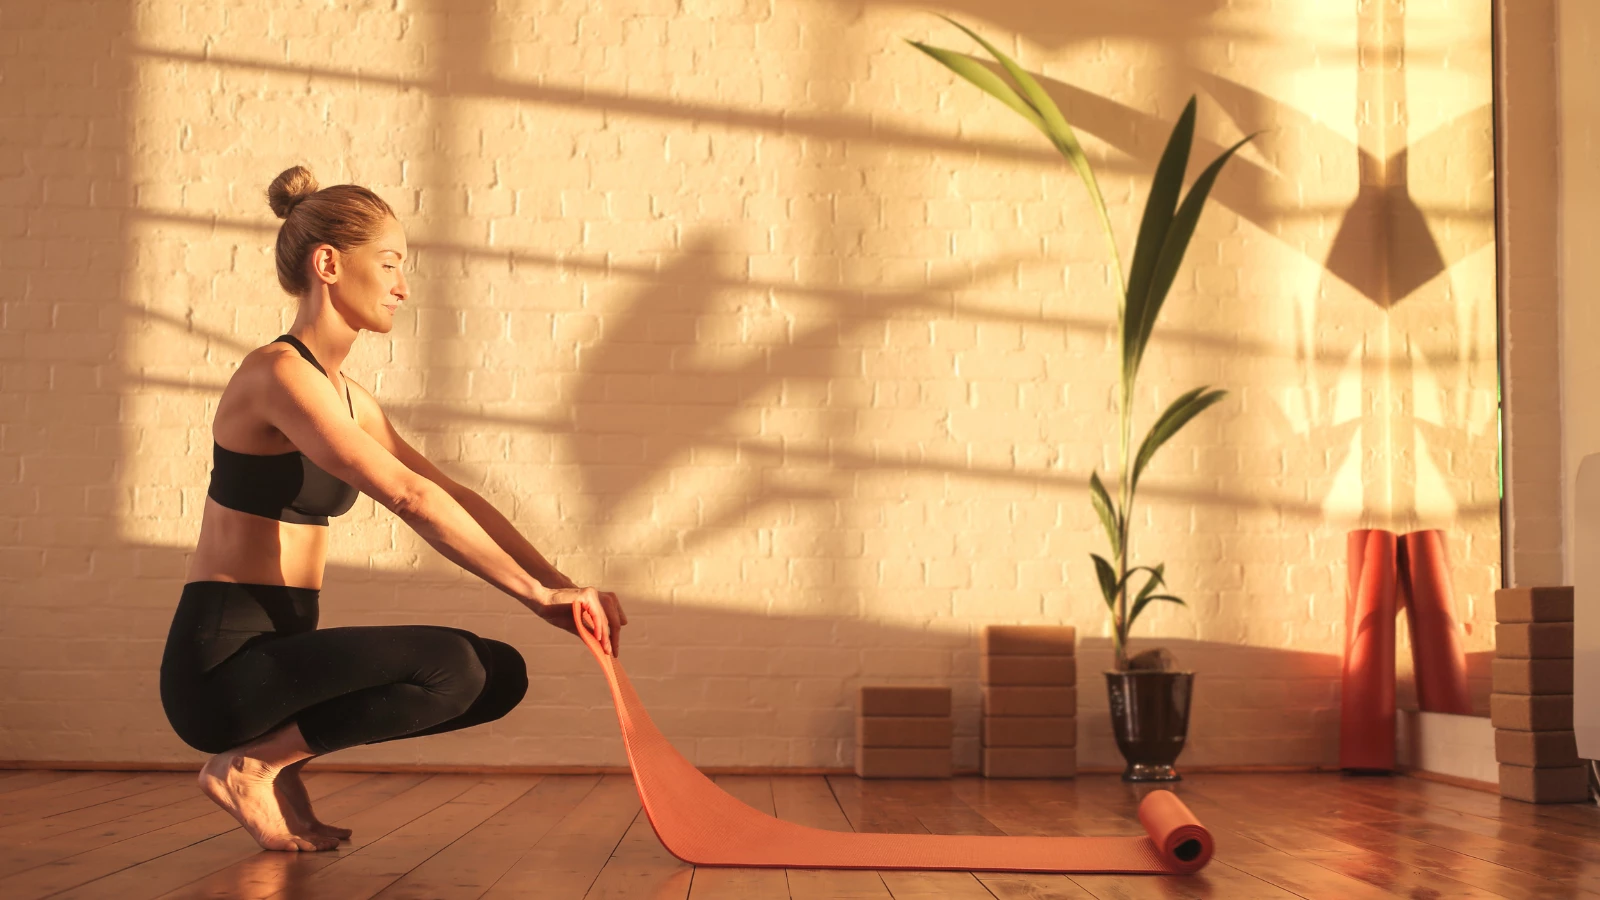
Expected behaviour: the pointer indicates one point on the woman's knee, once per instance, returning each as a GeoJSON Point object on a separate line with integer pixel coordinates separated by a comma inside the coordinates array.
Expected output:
{"type": "Point", "coordinates": [455, 668]}
{"type": "Point", "coordinates": [500, 686]}
{"type": "Point", "coordinates": [508, 678]}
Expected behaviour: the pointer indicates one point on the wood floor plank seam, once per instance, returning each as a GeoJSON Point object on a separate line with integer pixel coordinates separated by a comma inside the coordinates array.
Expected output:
{"type": "Point", "coordinates": [23, 781]}
{"type": "Point", "coordinates": [404, 807]}
{"type": "Point", "coordinates": [497, 844]}
{"type": "Point", "coordinates": [1464, 819]}
{"type": "Point", "coordinates": [34, 874]}
{"type": "Point", "coordinates": [347, 878]}
{"type": "Point", "coordinates": [1533, 871]}
{"type": "Point", "coordinates": [1386, 837]}
{"type": "Point", "coordinates": [354, 801]}
{"type": "Point", "coordinates": [1219, 813]}
{"type": "Point", "coordinates": [598, 811]}
{"type": "Point", "coordinates": [524, 854]}
{"type": "Point", "coordinates": [30, 799]}
{"type": "Point", "coordinates": [215, 836]}
{"type": "Point", "coordinates": [196, 807]}
{"type": "Point", "coordinates": [199, 807]}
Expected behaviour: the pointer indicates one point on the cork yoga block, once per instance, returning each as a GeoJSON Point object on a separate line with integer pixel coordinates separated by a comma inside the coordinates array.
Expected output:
{"type": "Point", "coordinates": [1023, 671]}
{"type": "Point", "coordinates": [1030, 731]}
{"type": "Point", "coordinates": [1533, 640]}
{"type": "Point", "coordinates": [903, 762]}
{"type": "Point", "coordinates": [1565, 785]}
{"type": "Point", "coordinates": [905, 701]}
{"type": "Point", "coordinates": [1531, 712]}
{"type": "Point", "coordinates": [1539, 604]}
{"type": "Point", "coordinates": [1532, 676]}
{"type": "Point", "coordinates": [1536, 749]}
{"type": "Point", "coordinates": [903, 731]}
{"type": "Point", "coordinates": [1030, 762]}
{"type": "Point", "coordinates": [1029, 640]}
{"type": "Point", "coordinates": [1030, 701]}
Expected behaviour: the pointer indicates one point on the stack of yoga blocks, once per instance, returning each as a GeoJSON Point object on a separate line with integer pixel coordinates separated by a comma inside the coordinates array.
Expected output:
{"type": "Point", "coordinates": [1029, 675]}
{"type": "Point", "coordinates": [1532, 702]}
{"type": "Point", "coordinates": [903, 732]}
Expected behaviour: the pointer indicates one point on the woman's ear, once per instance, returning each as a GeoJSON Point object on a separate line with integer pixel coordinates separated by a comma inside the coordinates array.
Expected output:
{"type": "Point", "coordinates": [325, 263]}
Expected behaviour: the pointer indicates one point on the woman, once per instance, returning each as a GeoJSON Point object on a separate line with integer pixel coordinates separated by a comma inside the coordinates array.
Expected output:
{"type": "Point", "coordinates": [246, 674]}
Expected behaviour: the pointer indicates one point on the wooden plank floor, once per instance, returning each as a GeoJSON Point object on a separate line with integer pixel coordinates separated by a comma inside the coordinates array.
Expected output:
{"type": "Point", "coordinates": [133, 836]}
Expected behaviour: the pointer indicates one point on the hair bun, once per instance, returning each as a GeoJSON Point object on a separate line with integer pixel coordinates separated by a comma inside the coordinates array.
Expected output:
{"type": "Point", "coordinates": [289, 188]}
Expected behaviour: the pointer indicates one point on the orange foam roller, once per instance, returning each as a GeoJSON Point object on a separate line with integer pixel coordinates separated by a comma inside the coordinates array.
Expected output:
{"type": "Point", "coordinates": [704, 825]}
{"type": "Point", "coordinates": [1436, 651]}
{"type": "Point", "coordinates": [1366, 714]}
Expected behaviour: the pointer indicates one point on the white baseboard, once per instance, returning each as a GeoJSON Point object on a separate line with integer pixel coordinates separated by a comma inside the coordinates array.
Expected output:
{"type": "Point", "coordinates": [1460, 746]}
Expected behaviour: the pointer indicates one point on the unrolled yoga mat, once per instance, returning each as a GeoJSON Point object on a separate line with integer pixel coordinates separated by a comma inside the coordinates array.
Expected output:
{"type": "Point", "coordinates": [702, 824]}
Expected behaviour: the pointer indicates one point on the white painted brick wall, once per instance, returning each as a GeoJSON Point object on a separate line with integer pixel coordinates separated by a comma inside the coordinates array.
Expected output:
{"type": "Point", "coordinates": [749, 312]}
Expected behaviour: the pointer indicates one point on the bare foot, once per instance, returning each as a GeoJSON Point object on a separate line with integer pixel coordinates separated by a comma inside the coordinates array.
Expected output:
{"type": "Point", "coordinates": [296, 804]}
{"type": "Point", "coordinates": [244, 787]}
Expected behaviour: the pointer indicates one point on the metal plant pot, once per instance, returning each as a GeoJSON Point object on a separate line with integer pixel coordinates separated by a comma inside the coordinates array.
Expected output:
{"type": "Point", "coordinates": [1150, 717]}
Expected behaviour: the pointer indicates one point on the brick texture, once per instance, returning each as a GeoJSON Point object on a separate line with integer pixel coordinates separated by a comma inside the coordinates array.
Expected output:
{"type": "Point", "coordinates": [756, 316]}
{"type": "Point", "coordinates": [1534, 338]}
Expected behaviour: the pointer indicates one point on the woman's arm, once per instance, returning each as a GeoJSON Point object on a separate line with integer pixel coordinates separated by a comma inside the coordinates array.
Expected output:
{"type": "Point", "coordinates": [298, 401]}
{"type": "Point", "coordinates": [556, 607]}
{"type": "Point", "coordinates": [505, 534]}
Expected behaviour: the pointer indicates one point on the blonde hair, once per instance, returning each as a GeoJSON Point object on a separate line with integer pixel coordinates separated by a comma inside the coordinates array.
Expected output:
{"type": "Point", "coordinates": [345, 216]}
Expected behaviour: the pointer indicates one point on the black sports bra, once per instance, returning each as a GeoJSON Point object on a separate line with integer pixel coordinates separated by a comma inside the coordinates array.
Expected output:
{"type": "Point", "coordinates": [288, 487]}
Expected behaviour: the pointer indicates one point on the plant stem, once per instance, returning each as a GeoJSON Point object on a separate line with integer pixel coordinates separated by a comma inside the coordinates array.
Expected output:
{"type": "Point", "coordinates": [1120, 626]}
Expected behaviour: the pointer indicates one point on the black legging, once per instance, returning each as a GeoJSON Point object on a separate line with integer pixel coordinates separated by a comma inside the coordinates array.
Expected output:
{"type": "Point", "coordinates": [243, 659]}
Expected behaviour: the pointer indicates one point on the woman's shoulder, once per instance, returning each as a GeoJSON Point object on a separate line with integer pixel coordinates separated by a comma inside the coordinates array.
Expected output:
{"type": "Point", "coordinates": [267, 362]}
{"type": "Point", "coordinates": [239, 423]}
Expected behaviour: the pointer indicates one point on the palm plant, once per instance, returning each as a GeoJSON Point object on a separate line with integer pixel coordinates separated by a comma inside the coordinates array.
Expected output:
{"type": "Point", "coordinates": [1164, 235]}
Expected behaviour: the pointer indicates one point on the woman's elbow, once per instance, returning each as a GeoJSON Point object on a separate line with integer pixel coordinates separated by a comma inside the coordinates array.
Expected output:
{"type": "Point", "coordinates": [413, 499]}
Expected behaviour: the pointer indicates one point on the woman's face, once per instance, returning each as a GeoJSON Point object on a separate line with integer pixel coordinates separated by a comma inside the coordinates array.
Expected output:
{"type": "Point", "coordinates": [367, 284]}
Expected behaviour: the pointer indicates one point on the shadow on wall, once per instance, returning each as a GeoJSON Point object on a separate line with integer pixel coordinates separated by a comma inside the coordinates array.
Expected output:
{"type": "Point", "coordinates": [1383, 216]}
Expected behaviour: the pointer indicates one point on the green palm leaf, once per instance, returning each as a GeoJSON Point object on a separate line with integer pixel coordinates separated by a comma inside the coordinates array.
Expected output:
{"type": "Point", "coordinates": [1108, 579]}
{"type": "Point", "coordinates": [1165, 189]}
{"type": "Point", "coordinates": [1107, 511]}
{"type": "Point", "coordinates": [1055, 127]}
{"type": "Point", "coordinates": [1171, 421]}
{"type": "Point", "coordinates": [988, 81]}
{"type": "Point", "coordinates": [1146, 601]}
{"type": "Point", "coordinates": [1157, 579]}
{"type": "Point", "coordinates": [1173, 246]}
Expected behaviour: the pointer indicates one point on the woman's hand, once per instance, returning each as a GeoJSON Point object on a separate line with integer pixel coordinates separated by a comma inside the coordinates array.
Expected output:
{"type": "Point", "coordinates": [601, 612]}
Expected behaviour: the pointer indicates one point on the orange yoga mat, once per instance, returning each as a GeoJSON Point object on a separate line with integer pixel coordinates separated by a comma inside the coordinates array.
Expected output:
{"type": "Point", "coordinates": [1436, 650]}
{"type": "Point", "coordinates": [1366, 713]}
{"type": "Point", "coordinates": [702, 824]}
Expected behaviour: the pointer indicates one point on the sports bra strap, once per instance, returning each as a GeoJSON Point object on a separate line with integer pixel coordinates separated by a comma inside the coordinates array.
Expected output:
{"type": "Point", "coordinates": [305, 351]}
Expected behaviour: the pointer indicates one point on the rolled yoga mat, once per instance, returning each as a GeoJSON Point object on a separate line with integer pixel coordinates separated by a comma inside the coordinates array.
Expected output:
{"type": "Point", "coordinates": [704, 825]}
{"type": "Point", "coordinates": [1366, 706]}
{"type": "Point", "coordinates": [1437, 654]}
